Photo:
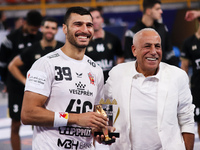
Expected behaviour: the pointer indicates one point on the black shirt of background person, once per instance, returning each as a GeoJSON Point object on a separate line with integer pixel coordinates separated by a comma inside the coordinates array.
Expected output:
{"type": "Point", "coordinates": [31, 54]}
{"type": "Point", "coordinates": [16, 43]}
{"type": "Point", "coordinates": [104, 50]}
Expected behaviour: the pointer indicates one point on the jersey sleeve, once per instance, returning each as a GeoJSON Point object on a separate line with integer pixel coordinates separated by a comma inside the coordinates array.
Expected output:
{"type": "Point", "coordinates": [40, 77]}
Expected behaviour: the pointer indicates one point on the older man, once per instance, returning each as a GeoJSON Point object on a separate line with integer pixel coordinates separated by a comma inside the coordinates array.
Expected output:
{"type": "Point", "coordinates": [156, 110]}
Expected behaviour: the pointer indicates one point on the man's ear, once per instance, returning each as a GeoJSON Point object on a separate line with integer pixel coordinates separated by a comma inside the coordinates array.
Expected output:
{"type": "Point", "coordinates": [148, 11]}
{"type": "Point", "coordinates": [64, 28]}
{"type": "Point", "coordinates": [134, 50]}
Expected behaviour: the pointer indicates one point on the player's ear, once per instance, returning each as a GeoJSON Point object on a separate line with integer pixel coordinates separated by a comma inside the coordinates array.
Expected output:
{"type": "Point", "coordinates": [65, 28]}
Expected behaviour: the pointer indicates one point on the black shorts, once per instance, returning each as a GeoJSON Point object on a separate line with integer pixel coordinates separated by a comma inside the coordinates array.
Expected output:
{"type": "Point", "coordinates": [197, 114]}
{"type": "Point", "coordinates": [15, 97]}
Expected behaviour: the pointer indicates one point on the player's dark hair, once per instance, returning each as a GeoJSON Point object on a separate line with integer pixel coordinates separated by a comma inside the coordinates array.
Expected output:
{"type": "Point", "coordinates": [149, 4]}
{"type": "Point", "coordinates": [50, 19]}
{"type": "Point", "coordinates": [95, 9]}
{"type": "Point", "coordinates": [77, 10]}
{"type": "Point", "coordinates": [34, 18]}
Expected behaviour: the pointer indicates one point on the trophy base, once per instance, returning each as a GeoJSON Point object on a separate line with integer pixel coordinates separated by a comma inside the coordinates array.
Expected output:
{"type": "Point", "coordinates": [111, 134]}
{"type": "Point", "coordinates": [108, 142]}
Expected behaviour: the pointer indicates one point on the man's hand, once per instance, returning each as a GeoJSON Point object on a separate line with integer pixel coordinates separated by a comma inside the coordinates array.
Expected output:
{"type": "Point", "coordinates": [191, 15]}
{"type": "Point", "coordinates": [101, 138]}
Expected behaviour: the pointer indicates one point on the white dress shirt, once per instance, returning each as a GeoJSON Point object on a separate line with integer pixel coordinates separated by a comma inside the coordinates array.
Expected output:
{"type": "Point", "coordinates": [143, 105]}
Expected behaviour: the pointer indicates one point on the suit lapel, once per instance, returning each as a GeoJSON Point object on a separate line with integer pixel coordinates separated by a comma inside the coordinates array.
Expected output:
{"type": "Point", "coordinates": [163, 87]}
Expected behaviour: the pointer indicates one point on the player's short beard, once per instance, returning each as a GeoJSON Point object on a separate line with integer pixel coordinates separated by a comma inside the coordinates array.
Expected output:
{"type": "Point", "coordinates": [73, 41]}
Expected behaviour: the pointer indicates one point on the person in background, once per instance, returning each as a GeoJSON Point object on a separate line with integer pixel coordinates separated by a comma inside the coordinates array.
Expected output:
{"type": "Point", "coordinates": [12, 45]}
{"type": "Point", "coordinates": [190, 55]}
{"type": "Point", "coordinates": [105, 48]}
{"type": "Point", "coordinates": [62, 88]}
{"type": "Point", "coordinates": [154, 98]}
{"type": "Point", "coordinates": [152, 14]}
{"type": "Point", "coordinates": [18, 23]}
{"type": "Point", "coordinates": [48, 44]}
{"type": "Point", "coordinates": [3, 25]}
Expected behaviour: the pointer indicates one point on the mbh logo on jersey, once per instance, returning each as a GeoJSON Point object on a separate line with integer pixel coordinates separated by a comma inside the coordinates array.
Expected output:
{"type": "Point", "coordinates": [80, 90]}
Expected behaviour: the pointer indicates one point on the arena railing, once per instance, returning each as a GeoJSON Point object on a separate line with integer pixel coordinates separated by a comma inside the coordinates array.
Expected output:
{"type": "Point", "coordinates": [43, 5]}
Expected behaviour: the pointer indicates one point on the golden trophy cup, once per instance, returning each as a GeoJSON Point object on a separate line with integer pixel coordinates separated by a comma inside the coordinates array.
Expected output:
{"type": "Point", "coordinates": [107, 109]}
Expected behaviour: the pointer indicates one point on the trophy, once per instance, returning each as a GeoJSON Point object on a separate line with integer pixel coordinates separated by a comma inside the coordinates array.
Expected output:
{"type": "Point", "coordinates": [111, 111]}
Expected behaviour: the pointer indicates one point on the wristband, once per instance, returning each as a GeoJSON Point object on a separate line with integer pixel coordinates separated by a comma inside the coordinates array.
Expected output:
{"type": "Point", "coordinates": [60, 119]}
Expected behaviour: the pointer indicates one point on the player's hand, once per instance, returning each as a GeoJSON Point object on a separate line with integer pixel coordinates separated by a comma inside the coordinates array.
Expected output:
{"type": "Point", "coordinates": [191, 15]}
{"type": "Point", "coordinates": [92, 119]}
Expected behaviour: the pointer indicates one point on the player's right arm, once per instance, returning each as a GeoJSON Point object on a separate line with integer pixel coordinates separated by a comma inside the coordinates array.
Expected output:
{"type": "Point", "coordinates": [13, 67]}
{"type": "Point", "coordinates": [34, 113]}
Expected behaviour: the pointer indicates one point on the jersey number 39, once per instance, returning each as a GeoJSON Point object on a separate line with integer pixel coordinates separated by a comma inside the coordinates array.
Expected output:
{"type": "Point", "coordinates": [63, 73]}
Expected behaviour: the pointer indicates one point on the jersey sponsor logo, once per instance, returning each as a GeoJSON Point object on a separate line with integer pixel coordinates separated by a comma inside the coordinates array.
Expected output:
{"type": "Point", "coordinates": [194, 47]}
{"type": "Point", "coordinates": [197, 61]}
{"type": "Point", "coordinates": [75, 106]}
{"type": "Point", "coordinates": [110, 46]}
{"type": "Point", "coordinates": [80, 90]}
{"type": "Point", "coordinates": [105, 64]}
{"type": "Point", "coordinates": [75, 131]}
{"type": "Point", "coordinates": [29, 44]}
{"type": "Point", "coordinates": [21, 46]}
{"type": "Point", "coordinates": [53, 56]}
{"type": "Point", "coordinates": [100, 48]}
{"type": "Point", "coordinates": [36, 79]}
{"type": "Point", "coordinates": [79, 75]}
{"type": "Point", "coordinates": [63, 115]}
{"type": "Point", "coordinates": [72, 144]}
{"type": "Point", "coordinates": [92, 63]}
{"type": "Point", "coordinates": [91, 77]}
{"type": "Point", "coordinates": [80, 86]}
{"type": "Point", "coordinates": [37, 56]}
{"type": "Point", "coordinates": [89, 48]}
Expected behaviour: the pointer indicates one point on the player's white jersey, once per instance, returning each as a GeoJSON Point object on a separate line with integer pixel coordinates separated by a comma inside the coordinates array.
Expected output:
{"type": "Point", "coordinates": [71, 86]}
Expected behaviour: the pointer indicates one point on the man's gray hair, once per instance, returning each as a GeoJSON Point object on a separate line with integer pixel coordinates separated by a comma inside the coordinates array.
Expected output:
{"type": "Point", "coordinates": [139, 32]}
